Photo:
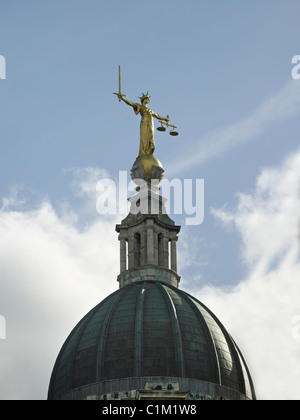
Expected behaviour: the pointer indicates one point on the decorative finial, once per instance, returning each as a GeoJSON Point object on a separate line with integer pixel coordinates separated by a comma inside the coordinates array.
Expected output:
{"type": "Point", "coordinates": [146, 162]}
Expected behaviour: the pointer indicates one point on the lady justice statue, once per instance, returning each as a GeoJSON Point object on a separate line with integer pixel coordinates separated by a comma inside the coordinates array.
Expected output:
{"type": "Point", "coordinates": [147, 146]}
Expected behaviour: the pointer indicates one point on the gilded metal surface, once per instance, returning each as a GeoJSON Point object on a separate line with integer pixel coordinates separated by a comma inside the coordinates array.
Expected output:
{"type": "Point", "coordinates": [120, 95]}
{"type": "Point", "coordinates": [147, 145]}
{"type": "Point", "coordinates": [162, 128]}
{"type": "Point", "coordinates": [147, 161]}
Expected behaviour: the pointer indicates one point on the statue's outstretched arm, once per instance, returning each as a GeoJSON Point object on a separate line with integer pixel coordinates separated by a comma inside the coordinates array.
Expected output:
{"type": "Point", "coordinates": [127, 101]}
{"type": "Point", "coordinates": [161, 118]}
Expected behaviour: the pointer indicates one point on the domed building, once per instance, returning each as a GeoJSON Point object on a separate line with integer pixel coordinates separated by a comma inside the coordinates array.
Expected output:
{"type": "Point", "coordinates": [149, 340]}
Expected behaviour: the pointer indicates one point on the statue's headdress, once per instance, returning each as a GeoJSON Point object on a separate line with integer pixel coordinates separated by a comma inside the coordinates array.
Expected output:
{"type": "Point", "coordinates": [144, 96]}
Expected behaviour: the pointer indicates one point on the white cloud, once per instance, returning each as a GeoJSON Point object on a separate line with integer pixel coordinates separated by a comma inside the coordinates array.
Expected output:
{"type": "Point", "coordinates": [51, 274]}
{"type": "Point", "coordinates": [85, 180]}
{"type": "Point", "coordinates": [280, 107]}
{"type": "Point", "coordinates": [260, 311]}
{"type": "Point", "coordinates": [13, 199]}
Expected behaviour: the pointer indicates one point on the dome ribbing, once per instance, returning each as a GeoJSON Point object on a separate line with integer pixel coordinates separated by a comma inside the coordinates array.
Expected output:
{"type": "Point", "coordinates": [149, 329]}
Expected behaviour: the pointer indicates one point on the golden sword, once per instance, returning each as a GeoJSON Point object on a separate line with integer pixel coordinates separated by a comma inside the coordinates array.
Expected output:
{"type": "Point", "coordinates": [120, 93]}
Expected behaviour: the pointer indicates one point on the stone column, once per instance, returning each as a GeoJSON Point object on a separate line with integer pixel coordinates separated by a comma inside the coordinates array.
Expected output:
{"type": "Point", "coordinates": [165, 247]}
{"type": "Point", "coordinates": [143, 247]}
{"type": "Point", "coordinates": [123, 256]}
{"type": "Point", "coordinates": [174, 254]}
{"type": "Point", "coordinates": [160, 251]}
{"type": "Point", "coordinates": [150, 246]}
{"type": "Point", "coordinates": [136, 249]}
{"type": "Point", "coordinates": [155, 248]}
{"type": "Point", "coordinates": [131, 251]}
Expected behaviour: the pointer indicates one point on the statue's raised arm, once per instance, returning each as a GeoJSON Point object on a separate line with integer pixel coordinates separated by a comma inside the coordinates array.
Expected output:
{"type": "Point", "coordinates": [121, 98]}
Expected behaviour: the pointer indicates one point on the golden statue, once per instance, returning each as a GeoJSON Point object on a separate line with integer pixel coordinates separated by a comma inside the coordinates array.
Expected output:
{"type": "Point", "coordinates": [147, 145]}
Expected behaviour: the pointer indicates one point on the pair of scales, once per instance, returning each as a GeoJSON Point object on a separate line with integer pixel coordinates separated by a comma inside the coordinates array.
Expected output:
{"type": "Point", "coordinates": [145, 99]}
{"type": "Point", "coordinates": [172, 131]}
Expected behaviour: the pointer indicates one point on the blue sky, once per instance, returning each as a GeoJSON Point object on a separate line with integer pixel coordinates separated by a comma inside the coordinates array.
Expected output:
{"type": "Point", "coordinates": [222, 71]}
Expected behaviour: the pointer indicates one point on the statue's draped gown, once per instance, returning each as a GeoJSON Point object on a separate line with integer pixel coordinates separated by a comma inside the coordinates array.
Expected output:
{"type": "Point", "coordinates": [146, 129]}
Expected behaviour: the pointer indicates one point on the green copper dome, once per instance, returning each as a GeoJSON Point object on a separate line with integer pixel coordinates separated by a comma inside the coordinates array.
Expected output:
{"type": "Point", "coordinates": [149, 329]}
